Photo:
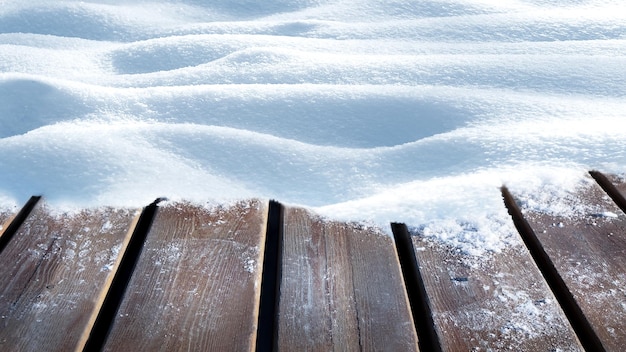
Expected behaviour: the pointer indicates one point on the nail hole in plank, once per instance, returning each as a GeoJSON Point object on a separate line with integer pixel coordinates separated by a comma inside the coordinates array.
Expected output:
{"type": "Point", "coordinates": [418, 299]}
{"type": "Point", "coordinates": [270, 280]}
{"type": "Point", "coordinates": [587, 337]}
{"type": "Point", "coordinates": [108, 311]}
{"type": "Point", "coordinates": [17, 221]}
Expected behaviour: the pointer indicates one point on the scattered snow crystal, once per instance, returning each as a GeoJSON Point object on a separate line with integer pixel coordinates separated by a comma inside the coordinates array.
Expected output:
{"type": "Point", "coordinates": [382, 111]}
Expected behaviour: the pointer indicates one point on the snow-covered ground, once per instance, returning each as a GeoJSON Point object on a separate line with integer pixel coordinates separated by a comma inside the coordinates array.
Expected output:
{"type": "Point", "coordinates": [376, 110]}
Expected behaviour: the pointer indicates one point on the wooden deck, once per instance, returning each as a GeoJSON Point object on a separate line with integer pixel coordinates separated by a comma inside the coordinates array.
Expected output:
{"type": "Point", "coordinates": [257, 276]}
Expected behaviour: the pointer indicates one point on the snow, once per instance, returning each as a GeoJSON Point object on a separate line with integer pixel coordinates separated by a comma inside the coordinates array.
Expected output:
{"type": "Point", "coordinates": [412, 111]}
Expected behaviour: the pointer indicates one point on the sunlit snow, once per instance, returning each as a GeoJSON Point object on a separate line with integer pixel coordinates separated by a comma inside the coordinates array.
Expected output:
{"type": "Point", "coordinates": [394, 110]}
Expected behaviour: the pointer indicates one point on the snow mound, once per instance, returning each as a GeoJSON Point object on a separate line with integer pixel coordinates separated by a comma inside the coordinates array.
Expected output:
{"type": "Point", "coordinates": [364, 110]}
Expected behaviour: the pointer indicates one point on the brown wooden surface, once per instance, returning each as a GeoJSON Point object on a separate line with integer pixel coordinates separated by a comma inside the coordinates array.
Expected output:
{"type": "Point", "coordinates": [493, 302]}
{"type": "Point", "coordinates": [52, 272]}
{"type": "Point", "coordinates": [589, 251]}
{"type": "Point", "coordinates": [619, 182]}
{"type": "Point", "coordinates": [197, 283]}
{"type": "Point", "coordinates": [341, 289]}
{"type": "Point", "coordinates": [5, 218]}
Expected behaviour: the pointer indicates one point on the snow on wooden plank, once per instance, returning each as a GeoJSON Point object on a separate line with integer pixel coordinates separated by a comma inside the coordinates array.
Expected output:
{"type": "Point", "coordinates": [613, 185]}
{"type": "Point", "coordinates": [341, 289]}
{"type": "Point", "coordinates": [196, 284]}
{"type": "Point", "coordinates": [53, 271]}
{"type": "Point", "coordinates": [620, 183]}
{"type": "Point", "coordinates": [6, 215]}
{"type": "Point", "coordinates": [11, 220]}
{"type": "Point", "coordinates": [491, 302]}
{"type": "Point", "coordinates": [588, 249]}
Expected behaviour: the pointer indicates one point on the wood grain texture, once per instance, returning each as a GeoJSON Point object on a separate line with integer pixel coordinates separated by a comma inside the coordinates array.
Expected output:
{"type": "Point", "coordinates": [494, 302]}
{"type": "Point", "coordinates": [341, 289]}
{"type": "Point", "coordinates": [52, 272]}
{"type": "Point", "coordinates": [197, 283]}
{"type": "Point", "coordinates": [589, 251]}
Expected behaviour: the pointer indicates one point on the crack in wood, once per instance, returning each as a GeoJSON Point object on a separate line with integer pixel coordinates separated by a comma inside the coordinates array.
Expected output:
{"type": "Point", "coordinates": [356, 305]}
{"type": "Point", "coordinates": [40, 261]}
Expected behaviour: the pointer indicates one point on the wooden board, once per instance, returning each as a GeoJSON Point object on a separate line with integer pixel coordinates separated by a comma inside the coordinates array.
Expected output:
{"type": "Point", "coordinates": [619, 182]}
{"type": "Point", "coordinates": [197, 283]}
{"type": "Point", "coordinates": [51, 274]}
{"type": "Point", "coordinates": [492, 302]}
{"type": "Point", "coordinates": [5, 218]}
{"type": "Point", "coordinates": [341, 289]}
{"type": "Point", "coordinates": [589, 252]}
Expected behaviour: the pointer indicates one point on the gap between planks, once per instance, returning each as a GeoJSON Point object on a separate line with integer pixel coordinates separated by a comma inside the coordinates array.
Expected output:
{"type": "Point", "coordinates": [53, 269]}
{"type": "Point", "coordinates": [416, 291]}
{"type": "Point", "coordinates": [266, 312]}
{"type": "Point", "coordinates": [614, 191]}
{"type": "Point", "coordinates": [81, 346]}
{"type": "Point", "coordinates": [196, 282]}
{"type": "Point", "coordinates": [562, 293]}
{"type": "Point", "coordinates": [16, 222]}
{"type": "Point", "coordinates": [593, 239]}
{"type": "Point", "coordinates": [133, 242]}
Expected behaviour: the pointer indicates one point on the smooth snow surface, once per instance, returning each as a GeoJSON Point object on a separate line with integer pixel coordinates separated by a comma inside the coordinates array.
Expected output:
{"type": "Point", "coordinates": [394, 110]}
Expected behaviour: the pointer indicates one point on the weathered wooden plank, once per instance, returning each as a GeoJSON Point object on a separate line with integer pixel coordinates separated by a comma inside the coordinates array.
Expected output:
{"type": "Point", "coordinates": [52, 272]}
{"type": "Point", "coordinates": [588, 249]}
{"type": "Point", "coordinates": [497, 301]}
{"type": "Point", "coordinates": [5, 218]}
{"type": "Point", "coordinates": [341, 288]}
{"type": "Point", "coordinates": [14, 220]}
{"type": "Point", "coordinates": [619, 181]}
{"type": "Point", "coordinates": [196, 284]}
